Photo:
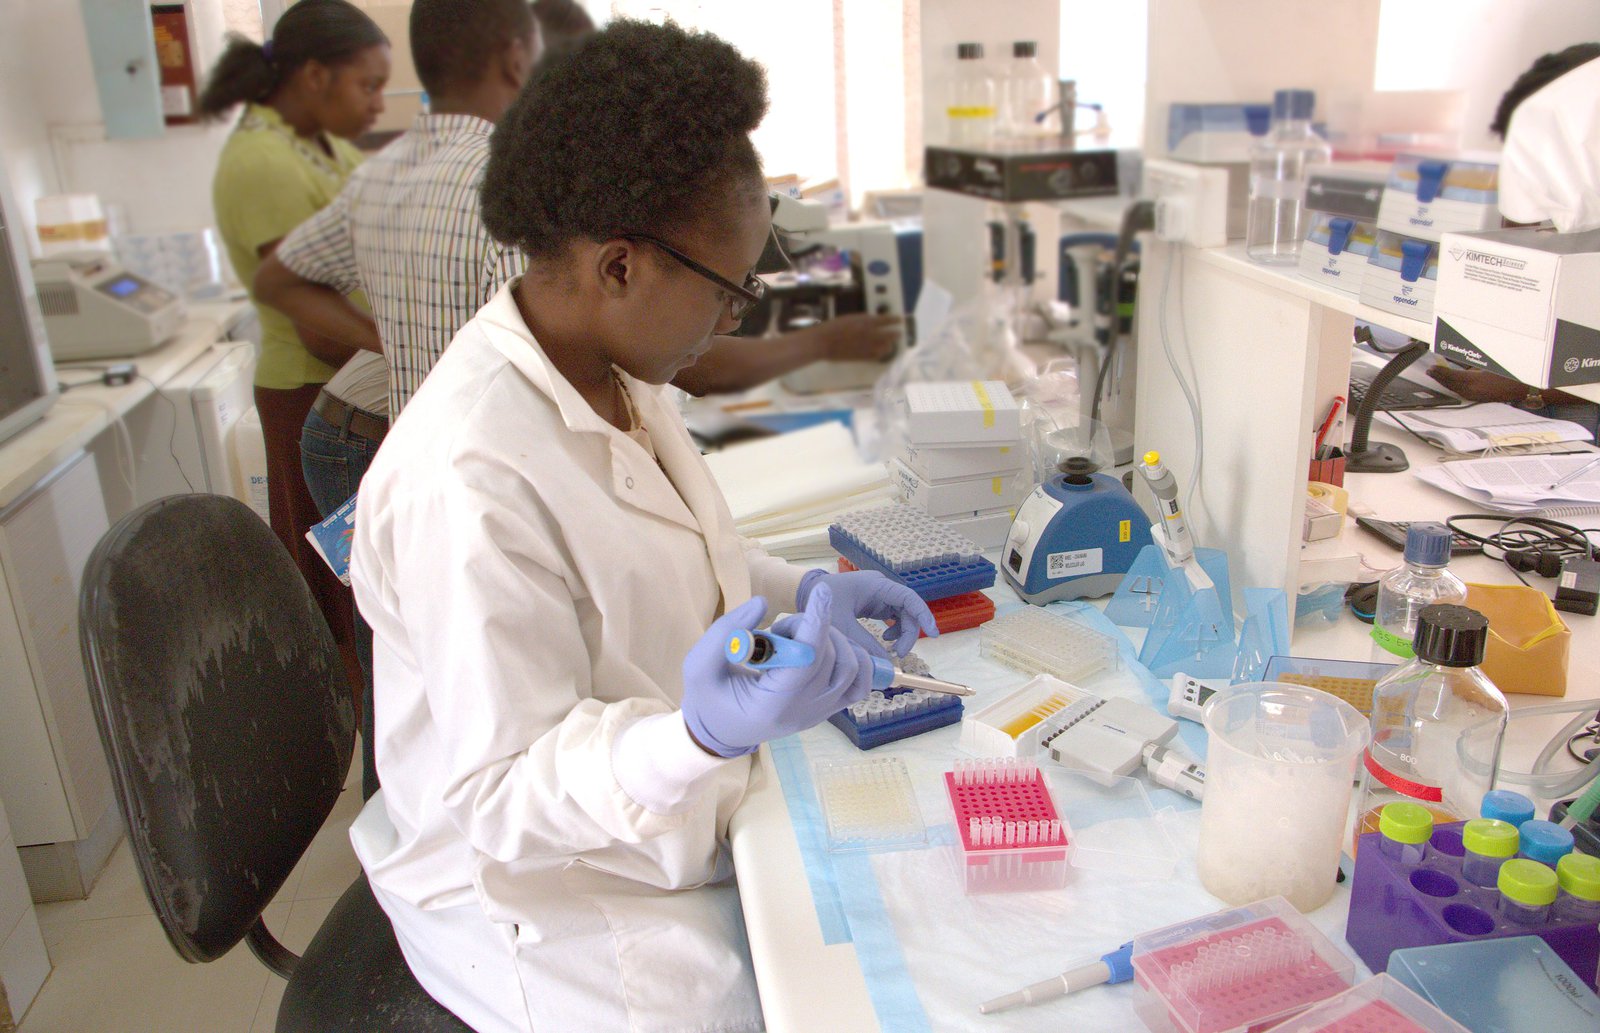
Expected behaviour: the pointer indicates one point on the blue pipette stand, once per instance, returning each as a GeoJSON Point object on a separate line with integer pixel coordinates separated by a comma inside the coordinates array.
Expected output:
{"type": "Point", "coordinates": [1190, 631]}
{"type": "Point", "coordinates": [1263, 635]}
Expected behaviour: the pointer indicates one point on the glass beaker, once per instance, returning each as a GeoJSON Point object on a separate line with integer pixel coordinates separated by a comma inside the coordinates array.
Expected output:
{"type": "Point", "coordinates": [1280, 764]}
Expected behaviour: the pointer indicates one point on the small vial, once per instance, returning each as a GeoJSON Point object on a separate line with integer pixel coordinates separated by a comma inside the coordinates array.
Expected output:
{"type": "Point", "coordinates": [1527, 889]}
{"type": "Point", "coordinates": [1579, 878]}
{"type": "Point", "coordinates": [1507, 806]}
{"type": "Point", "coordinates": [1545, 842]}
{"type": "Point", "coordinates": [1405, 828]}
{"type": "Point", "coordinates": [1490, 844]}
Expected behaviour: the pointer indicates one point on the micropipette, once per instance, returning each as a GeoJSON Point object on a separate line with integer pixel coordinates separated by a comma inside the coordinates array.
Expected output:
{"type": "Point", "coordinates": [1180, 546]}
{"type": "Point", "coordinates": [1116, 967]}
{"type": "Point", "coordinates": [762, 650]}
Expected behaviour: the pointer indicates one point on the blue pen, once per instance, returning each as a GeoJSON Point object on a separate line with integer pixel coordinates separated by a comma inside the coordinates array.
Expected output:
{"type": "Point", "coordinates": [764, 651]}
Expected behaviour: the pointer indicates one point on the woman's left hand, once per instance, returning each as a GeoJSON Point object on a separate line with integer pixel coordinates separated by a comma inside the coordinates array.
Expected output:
{"type": "Point", "coordinates": [867, 593]}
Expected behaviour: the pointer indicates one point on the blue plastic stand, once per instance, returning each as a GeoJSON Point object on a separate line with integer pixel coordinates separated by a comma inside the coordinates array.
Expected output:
{"type": "Point", "coordinates": [1264, 633]}
{"type": "Point", "coordinates": [1189, 631]}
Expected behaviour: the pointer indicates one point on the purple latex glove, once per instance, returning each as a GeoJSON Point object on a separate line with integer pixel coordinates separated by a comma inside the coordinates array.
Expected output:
{"type": "Point", "coordinates": [867, 593]}
{"type": "Point", "coordinates": [730, 710]}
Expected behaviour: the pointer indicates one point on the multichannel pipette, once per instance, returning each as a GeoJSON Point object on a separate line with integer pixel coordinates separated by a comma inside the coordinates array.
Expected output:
{"type": "Point", "coordinates": [762, 650]}
{"type": "Point", "coordinates": [1116, 967]}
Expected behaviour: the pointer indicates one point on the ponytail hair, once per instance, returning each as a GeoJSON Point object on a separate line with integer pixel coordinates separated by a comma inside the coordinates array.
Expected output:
{"type": "Point", "coordinates": [330, 32]}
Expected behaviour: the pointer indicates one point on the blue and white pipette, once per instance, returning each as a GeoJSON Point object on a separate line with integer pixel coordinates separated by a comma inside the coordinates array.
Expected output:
{"type": "Point", "coordinates": [762, 650]}
{"type": "Point", "coordinates": [1116, 967]}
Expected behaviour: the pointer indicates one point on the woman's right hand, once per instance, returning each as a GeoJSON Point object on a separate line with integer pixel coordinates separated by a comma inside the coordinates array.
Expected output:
{"type": "Point", "coordinates": [730, 710]}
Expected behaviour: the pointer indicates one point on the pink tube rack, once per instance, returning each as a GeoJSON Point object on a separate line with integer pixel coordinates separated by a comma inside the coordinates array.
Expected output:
{"type": "Point", "coordinates": [1012, 836]}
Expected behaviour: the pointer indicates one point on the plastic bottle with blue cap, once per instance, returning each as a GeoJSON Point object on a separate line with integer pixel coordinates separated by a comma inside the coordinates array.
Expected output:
{"type": "Point", "coordinates": [1278, 165]}
{"type": "Point", "coordinates": [1424, 579]}
{"type": "Point", "coordinates": [1545, 842]}
{"type": "Point", "coordinates": [1508, 806]}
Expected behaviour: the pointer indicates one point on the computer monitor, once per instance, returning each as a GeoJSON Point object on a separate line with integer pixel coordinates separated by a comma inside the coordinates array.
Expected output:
{"type": "Point", "coordinates": [27, 377]}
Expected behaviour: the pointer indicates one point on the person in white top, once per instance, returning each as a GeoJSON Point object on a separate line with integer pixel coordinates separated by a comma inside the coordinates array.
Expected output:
{"type": "Point", "coordinates": [552, 576]}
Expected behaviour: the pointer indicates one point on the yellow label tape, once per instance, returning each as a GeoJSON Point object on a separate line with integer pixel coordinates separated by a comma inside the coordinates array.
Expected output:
{"type": "Point", "coordinates": [983, 400]}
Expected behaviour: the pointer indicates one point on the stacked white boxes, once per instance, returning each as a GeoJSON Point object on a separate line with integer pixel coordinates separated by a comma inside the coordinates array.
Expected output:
{"type": "Point", "coordinates": [1342, 215]}
{"type": "Point", "coordinates": [1426, 197]}
{"type": "Point", "coordinates": [964, 460]}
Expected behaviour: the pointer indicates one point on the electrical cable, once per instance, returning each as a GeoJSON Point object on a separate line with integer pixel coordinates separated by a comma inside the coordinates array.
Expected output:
{"type": "Point", "coordinates": [1539, 544]}
{"type": "Point", "coordinates": [172, 432]}
{"type": "Point", "coordinates": [1183, 383]}
{"type": "Point", "coordinates": [126, 463]}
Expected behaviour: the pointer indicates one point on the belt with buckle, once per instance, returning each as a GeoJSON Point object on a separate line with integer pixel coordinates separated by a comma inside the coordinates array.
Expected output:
{"type": "Point", "coordinates": [345, 416]}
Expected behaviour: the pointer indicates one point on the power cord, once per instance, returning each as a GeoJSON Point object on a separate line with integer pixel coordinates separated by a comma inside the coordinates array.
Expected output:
{"type": "Point", "coordinates": [1528, 543]}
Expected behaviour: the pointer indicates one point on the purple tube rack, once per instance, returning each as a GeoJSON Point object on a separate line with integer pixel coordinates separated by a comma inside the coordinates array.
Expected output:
{"type": "Point", "coordinates": [1394, 905]}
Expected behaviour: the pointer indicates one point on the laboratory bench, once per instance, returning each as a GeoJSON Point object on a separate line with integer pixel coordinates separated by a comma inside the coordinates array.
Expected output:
{"type": "Point", "coordinates": [828, 956]}
{"type": "Point", "coordinates": [63, 480]}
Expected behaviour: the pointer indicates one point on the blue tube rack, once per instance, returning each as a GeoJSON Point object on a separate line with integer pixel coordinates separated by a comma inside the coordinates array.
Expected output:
{"type": "Point", "coordinates": [932, 710]}
{"type": "Point", "coordinates": [936, 582]}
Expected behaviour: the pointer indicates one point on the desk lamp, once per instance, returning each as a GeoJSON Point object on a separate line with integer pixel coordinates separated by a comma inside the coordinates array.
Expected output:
{"type": "Point", "coordinates": [1367, 457]}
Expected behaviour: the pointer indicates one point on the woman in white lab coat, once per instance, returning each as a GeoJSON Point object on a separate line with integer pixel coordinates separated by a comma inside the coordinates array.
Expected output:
{"type": "Point", "coordinates": [551, 575]}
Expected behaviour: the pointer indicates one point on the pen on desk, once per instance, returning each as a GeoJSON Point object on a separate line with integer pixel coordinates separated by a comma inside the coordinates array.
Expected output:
{"type": "Point", "coordinates": [1327, 424]}
{"type": "Point", "coordinates": [1575, 474]}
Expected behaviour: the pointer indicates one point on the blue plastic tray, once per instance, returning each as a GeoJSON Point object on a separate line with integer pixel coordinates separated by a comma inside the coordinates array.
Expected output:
{"type": "Point", "coordinates": [930, 583]}
{"type": "Point", "coordinates": [876, 735]}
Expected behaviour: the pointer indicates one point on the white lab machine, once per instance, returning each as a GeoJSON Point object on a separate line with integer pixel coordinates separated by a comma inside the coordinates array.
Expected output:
{"type": "Point", "coordinates": [183, 434]}
{"type": "Point", "coordinates": [96, 309]}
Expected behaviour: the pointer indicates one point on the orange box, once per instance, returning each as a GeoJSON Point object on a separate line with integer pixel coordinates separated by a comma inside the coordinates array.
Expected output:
{"type": "Point", "coordinates": [1528, 640]}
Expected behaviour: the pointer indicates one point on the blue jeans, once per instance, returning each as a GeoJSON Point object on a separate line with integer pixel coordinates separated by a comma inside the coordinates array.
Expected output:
{"type": "Point", "coordinates": [334, 460]}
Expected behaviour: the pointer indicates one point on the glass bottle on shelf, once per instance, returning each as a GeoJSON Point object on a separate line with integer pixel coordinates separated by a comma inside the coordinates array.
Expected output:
{"type": "Point", "coordinates": [970, 105]}
{"type": "Point", "coordinates": [1278, 163]}
{"type": "Point", "coordinates": [1437, 724]}
{"type": "Point", "coordinates": [1028, 97]}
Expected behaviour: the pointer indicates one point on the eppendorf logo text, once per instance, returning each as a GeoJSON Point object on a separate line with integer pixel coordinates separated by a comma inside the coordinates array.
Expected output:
{"type": "Point", "coordinates": [1501, 261]}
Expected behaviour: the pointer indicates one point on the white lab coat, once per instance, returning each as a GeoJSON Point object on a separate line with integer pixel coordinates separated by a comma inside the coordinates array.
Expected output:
{"type": "Point", "coordinates": [533, 581]}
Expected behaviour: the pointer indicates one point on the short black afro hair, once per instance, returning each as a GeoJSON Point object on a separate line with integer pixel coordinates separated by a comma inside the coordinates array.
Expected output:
{"type": "Point", "coordinates": [450, 39]}
{"type": "Point", "coordinates": [1545, 71]}
{"type": "Point", "coordinates": [634, 130]}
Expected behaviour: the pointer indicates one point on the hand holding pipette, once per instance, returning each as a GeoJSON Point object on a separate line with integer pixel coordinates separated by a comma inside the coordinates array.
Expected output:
{"type": "Point", "coordinates": [763, 650]}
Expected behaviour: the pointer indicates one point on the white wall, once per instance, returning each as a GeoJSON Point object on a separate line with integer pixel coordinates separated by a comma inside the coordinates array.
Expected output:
{"type": "Point", "coordinates": [1476, 46]}
{"type": "Point", "coordinates": [52, 136]}
{"type": "Point", "coordinates": [1103, 47]}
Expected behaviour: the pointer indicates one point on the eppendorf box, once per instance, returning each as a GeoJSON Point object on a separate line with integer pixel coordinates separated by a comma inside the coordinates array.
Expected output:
{"type": "Point", "coordinates": [1522, 303]}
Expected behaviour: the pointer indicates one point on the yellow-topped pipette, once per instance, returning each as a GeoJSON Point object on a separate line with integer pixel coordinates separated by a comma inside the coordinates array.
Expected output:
{"type": "Point", "coordinates": [1175, 529]}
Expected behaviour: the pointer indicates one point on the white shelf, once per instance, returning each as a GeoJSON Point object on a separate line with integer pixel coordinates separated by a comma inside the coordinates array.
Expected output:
{"type": "Point", "coordinates": [1287, 279]}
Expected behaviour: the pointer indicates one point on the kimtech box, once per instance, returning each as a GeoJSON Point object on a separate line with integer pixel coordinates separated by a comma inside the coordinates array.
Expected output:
{"type": "Point", "coordinates": [1523, 303]}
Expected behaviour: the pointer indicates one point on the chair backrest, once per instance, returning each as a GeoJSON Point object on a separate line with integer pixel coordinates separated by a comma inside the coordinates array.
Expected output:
{"type": "Point", "coordinates": [223, 708]}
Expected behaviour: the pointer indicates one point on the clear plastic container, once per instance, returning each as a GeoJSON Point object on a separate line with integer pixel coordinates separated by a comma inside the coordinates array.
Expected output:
{"type": "Point", "coordinates": [972, 104]}
{"type": "Point", "coordinates": [1578, 876]}
{"type": "Point", "coordinates": [1527, 890]}
{"type": "Point", "coordinates": [1278, 164]}
{"type": "Point", "coordinates": [1422, 580]}
{"type": "Point", "coordinates": [1437, 724]}
{"type": "Point", "coordinates": [1010, 835]}
{"type": "Point", "coordinates": [1027, 93]}
{"type": "Point", "coordinates": [1234, 970]}
{"type": "Point", "coordinates": [1036, 641]}
{"type": "Point", "coordinates": [1278, 770]}
{"type": "Point", "coordinates": [1506, 805]}
{"type": "Point", "coordinates": [1382, 1004]}
{"type": "Point", "coordinates": [868, 804]}
{"type": "Point", "coordinates": [1488, 843]}
{"type": "Point", "coordinates": [1406, 829]}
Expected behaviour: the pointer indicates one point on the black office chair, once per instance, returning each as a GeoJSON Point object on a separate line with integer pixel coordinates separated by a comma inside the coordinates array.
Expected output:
{"type": "Point", "coordinates": [227, 721]}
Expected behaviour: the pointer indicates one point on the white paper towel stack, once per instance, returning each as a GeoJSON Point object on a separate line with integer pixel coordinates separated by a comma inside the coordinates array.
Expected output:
{"type": "Point", "coordinates": [785, 491]}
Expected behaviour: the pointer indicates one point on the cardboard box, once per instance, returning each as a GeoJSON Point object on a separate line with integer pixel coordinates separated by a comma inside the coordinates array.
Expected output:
{"type": "Point", "coordinates": [1428, 196]}
{"type": "Point", "coordinates": [961, 412]}
{"type": "Point", "coordinates": [1528, 641]}
{"type": "Point", "coordinates": [1522, 303]}
{"type": "Point", "coordinates": [963, 497]}
{"type": "Point", "coordinates": [947, 464]}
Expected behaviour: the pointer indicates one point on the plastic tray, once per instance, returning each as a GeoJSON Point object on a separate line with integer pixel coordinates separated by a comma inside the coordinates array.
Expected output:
{"type": "Point", "coordinates": [1238, 969]}
{"type": "Point", "coordinates": [1395, 905]}
{"type": "Point", "coordinates": [1012, 726]}
{"type": "Point", "coordinates": [1036, 641]}
{"type": "Point", "coordinates": [1350, 680]}
{"type": "Point", "coordinates": [1514, 984]}
{"type": "Point", "coordinates": [1380, 1005]}
{"type": "Point", "coordinates": [868, 804]}
{"type": "Point", "coordinates": [885, 717]}
{"type": "Point", "coordinates": [936, 582]}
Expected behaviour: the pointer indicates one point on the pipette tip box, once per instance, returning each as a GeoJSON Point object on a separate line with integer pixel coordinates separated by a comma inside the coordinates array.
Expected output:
{"type": "Point", "coordinates": [1382, 1004]}
{"type": "Point", "coordinates": [911, 547]}
{"type": "Point", "coordinates": [1036, 641]}
{"type": "Point", "coordinates": [953, 612]}
{"type": "Point", "coordinates": [868, 804]}
{"type": "Point", "coordinates": [1011, 835]}
{"type": "Point", "coordinates": [1244, 968]}
{"type": "Point", "coordinates": [885, 717]}
{"type": "Point", "coordinates": [961, 412]}
{"type": "Point", "coordinates": [1515, 984]}
{"type": "Point", "coordinates": [1394, 905]}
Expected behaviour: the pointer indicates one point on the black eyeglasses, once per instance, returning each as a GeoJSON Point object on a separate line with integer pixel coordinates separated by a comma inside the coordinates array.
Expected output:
{"type": "Point", "coordinates": [741, 299]}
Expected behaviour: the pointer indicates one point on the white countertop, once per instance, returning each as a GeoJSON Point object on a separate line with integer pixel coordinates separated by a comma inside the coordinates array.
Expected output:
{"type": "Point", "coordinates": [81, 413]}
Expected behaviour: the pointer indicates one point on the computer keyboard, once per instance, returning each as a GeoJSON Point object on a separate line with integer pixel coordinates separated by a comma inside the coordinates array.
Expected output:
{"type": "Point", "coordinates": [1400, 394]}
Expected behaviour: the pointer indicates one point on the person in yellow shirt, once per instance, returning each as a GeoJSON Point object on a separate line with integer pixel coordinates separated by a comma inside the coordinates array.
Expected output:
{"type": "Point", "coordinates": [307, 92]}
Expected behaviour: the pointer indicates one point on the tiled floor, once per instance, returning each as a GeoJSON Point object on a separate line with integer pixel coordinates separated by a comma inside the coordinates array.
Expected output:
{"type": "Point", "coordinates": [115, 972]}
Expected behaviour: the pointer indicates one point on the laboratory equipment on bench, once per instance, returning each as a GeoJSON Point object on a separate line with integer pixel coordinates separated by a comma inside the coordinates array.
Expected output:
{"type": "Point", "coordinates": [1044, 642]}
{"type": "Point", "coordinates": [183, 440]}
{"type": "Point", "coordinates": [1278, 165]}
{"type": "Point", "coordinates": [1424, 579]}
{"type": "Point", "coordinates": [868, 804]}
{"type": "Point", "coordinates": [1437, 723]}
{"type": "Point", "coordinates": [1396, 905]}
{"type": "Point", "coordinates": [1115, 736]}
{"type": "Point", "coordinates": [837, 270]}
{"type": "Point", "coordinates": [28, 389]}
{"type": "Point", "coordinates": [1279, 766]}
{"type": "Point", "coordinates": [1115, 967]}
{"type": "Point", "coordinates": [1175, 538]}
{"type": "Point", "coordinates": [1074, 536]}
{"type": "Point", "coordinates": [906, 544]}
{"type": "Point", "coordinates": [763, 650]}
{"type": "Point", "coordinates": [1515, 984]}
{"type": "Point", "coordinates": [1011, 834]}
{"type": "Point", "coordinates": [1382, 1004]}
{"type": "Point", "coordinates": [95, 309]}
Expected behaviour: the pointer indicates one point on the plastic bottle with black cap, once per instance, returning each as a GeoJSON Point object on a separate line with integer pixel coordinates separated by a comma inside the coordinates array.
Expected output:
{"type": "Point", "coordinates": [1437, 723]}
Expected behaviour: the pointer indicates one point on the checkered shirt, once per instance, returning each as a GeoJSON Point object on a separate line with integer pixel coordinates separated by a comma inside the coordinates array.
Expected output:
{"type": "Point", "coordinates": [406, 230]}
